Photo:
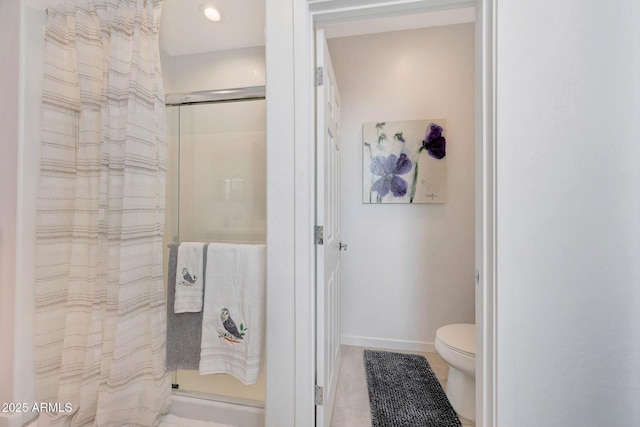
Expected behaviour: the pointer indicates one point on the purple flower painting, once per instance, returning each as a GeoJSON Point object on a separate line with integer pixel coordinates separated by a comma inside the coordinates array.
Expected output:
{"type": "Point", "coordinates": [404, 161]}
{"type": "Point", "coordinates": [388, 169]}
{"type": "Point", "coordinates": [434, 142]}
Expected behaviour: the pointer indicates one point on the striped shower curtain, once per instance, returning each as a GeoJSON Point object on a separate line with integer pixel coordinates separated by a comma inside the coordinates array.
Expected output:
{"type": "Point", "coordinates": [99, 294]}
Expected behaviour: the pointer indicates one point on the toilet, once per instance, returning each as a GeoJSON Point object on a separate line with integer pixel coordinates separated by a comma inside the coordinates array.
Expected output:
{"type": "Point", "coordinates": [456, 344]}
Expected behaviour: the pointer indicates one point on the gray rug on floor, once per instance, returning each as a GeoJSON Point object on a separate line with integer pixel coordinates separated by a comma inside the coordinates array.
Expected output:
{"type": "Point", "coordinates": [404, 392]}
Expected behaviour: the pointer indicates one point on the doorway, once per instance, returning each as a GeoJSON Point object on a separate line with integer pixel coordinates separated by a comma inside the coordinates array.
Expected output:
{"type": "Point", "coordinates": [292, 182]}
{"type": "Point", "coordinates": [409, 268]}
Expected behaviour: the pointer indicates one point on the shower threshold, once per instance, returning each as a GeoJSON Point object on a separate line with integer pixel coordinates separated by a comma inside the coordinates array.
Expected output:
{"type": "Point", "coordinates": [220, 409]}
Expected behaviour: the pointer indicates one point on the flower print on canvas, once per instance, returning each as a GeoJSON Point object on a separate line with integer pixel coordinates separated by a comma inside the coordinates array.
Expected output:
{"type": "Point", "coordinates": [389, 171]}
{"type": "Point", "coordinates": [404, 161]}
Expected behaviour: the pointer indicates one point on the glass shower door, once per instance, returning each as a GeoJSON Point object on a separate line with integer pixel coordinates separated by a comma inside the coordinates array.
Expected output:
{"type": "Point", "coordinates": [216, 192]}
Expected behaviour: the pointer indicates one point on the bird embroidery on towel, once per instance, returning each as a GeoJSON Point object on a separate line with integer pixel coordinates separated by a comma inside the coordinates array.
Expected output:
{"type": "Point", "coordinates": [188, 279]}
{"type": "Point", "coordinates": [232, 334]}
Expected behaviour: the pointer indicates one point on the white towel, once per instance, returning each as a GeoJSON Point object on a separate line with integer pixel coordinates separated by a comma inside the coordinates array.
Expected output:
{"type": "Point", "coordinates": [233, 313]}
{"type": "Point", "coordinates": [189, 278]}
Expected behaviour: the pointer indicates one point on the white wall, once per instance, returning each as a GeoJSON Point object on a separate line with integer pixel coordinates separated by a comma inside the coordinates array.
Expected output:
{"type": "Point", "coordinates": [409, 268]}
{"type": "Point", "coordinates": [22, 46]}
{"type": "Point", "coordinates": [216, 70]}
{"type": "Point", "coordinates": [9, 107]}
{"type": "Point", "coordinates": [568, 210]}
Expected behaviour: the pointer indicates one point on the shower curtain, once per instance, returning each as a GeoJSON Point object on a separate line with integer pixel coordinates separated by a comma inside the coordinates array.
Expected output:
{"type": "Point", "coordinates": [99, 294]}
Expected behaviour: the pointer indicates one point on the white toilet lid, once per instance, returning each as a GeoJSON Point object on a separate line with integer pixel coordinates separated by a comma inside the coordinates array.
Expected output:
{"type": "Point", "coordinates": [461, 337]}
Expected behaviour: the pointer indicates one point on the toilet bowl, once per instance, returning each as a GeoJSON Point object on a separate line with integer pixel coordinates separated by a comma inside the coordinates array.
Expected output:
{"type": "Point", "coordinates": [456, 344]}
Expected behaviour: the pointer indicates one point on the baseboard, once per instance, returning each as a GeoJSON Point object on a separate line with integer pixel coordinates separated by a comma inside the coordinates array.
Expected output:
{"type": "Point", "coordinates": [388, 344]}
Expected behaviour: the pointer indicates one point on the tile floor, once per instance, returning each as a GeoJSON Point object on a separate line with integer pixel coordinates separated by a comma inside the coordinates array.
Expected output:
{"type": "Point", "coordinates": [351, 407]}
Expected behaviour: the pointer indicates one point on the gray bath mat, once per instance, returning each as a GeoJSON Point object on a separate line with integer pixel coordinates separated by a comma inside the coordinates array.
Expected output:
{"type": "Point", "coordinates": [404, 392]}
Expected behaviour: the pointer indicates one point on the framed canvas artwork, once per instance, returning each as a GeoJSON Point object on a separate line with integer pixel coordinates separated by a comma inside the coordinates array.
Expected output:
{"type": "Point", "coordinates": [404, 162]}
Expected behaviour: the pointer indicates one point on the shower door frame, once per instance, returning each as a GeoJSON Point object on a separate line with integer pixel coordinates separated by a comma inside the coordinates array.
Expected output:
{"type": "Point", "coordinates": [217, 95]}
{"type": "Point", "coordinates": [239, 94]}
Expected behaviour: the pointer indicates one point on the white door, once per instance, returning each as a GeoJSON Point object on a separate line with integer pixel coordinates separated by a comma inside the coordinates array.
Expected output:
{"type": "Point", "coordinates": [327, 216]}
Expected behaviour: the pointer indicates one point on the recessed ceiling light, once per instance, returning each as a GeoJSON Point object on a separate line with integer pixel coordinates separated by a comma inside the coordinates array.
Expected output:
{"type": "Point", "coordinates": [211, 12]}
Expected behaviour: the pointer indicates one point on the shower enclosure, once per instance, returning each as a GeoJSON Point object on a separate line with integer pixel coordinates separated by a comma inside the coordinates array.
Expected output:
{"type": "Point", "coordinates": [216, 192]}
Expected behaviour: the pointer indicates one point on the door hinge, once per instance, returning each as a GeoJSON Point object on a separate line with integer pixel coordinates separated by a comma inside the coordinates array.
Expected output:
{"type": "Point", "coordinates": [319, 395]}
{"type": "Point", "coordinates": [318, 235]}
{"type": "Point", "coordinates": [318, 79]}
{"type": "Point", "coordinates": [477, 277]}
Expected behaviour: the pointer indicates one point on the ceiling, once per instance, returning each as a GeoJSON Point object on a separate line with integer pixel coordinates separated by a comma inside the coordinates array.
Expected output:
{"type": "Point", "coordinates": [184, 30]}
